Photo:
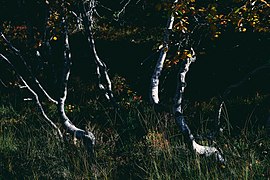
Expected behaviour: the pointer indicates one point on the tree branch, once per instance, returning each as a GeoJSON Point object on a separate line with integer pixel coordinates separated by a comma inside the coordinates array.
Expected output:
{"type": "Point", "coordinates": [35, 95]}
{"type": "Point", "coordinates": [246, 78]}
{"type": "Point", "coordinates": [17, 52]}
{"type": "Point", "coordinates": [117, 15]}
{"type": "Point", "coordinates": [233, 86]}
{"type": "Point", "coordinates": [3, 84]}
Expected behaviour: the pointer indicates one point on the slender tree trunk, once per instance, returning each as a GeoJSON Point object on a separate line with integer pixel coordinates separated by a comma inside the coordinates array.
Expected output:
{"type": "Point", "coordinates": [178, 99]}
{"type": "Point", "coordinates": [86, 136]}
{"type": "Point", "coordinates": [154, 90]}
{"type": "Point", "coordinates": [104, 82]}
{"type": "Point", "coordinates": [179, 117]}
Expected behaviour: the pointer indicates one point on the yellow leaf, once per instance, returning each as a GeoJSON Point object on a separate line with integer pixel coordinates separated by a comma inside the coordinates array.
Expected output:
{"type": "Point", "coordinates": [189, 55]}
{"type": "Point", "coordinates": [201, 9]}
{"type": "Point", "coordinates": [165, 49]}
{"type": "Point", "coordinates": [55, 38]}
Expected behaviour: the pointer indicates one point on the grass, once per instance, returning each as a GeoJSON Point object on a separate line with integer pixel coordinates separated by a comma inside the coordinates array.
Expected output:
{"type": "Point", "coordinates": [134, 143]}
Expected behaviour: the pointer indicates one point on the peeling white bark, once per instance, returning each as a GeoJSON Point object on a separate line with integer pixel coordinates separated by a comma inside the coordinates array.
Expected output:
{"type": "Point", "coordinates": [154, 89]}
{"type": "Point", "coordinates": [208, 151]}
{"type": "Point", "coordinates": [154, 97]}
{"type": "Point", "coordinates": [35, 95]}
{"type": "Point", "coordinates": [181, 84]}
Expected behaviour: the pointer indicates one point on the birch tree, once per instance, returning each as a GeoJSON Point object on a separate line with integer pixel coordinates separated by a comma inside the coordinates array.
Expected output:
{"type": "Point", "coordinates": [58, 25]}
{"type": "Point", "coordinates": [188, 23]}
{"type": "Point", "coordinates": [181, 84]}
{"type": "Point", "coordinates": [208, 20]}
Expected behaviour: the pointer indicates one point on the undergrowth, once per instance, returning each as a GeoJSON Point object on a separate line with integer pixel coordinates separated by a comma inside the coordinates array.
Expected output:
{"type": "Point", "coordinates": [133, 142]}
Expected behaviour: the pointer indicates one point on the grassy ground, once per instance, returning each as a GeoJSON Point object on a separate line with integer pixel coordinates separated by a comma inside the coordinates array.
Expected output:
{"type": "Point", "coordinates": [135, 142]}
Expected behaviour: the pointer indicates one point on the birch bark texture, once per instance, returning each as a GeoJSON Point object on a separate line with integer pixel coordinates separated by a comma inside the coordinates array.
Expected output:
{"type": "Point", "coordinates": [77, 132]}
{"type": "Point", "coordinates": [154, 89]}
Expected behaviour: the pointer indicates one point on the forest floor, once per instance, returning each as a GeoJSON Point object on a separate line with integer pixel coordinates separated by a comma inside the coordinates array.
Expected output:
{"type": "Point", "coordinates": [133, 142]}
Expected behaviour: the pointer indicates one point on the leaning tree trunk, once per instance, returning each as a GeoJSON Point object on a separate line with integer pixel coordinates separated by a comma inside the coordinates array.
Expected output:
{"type": "Point", "coordinates": [179, 117]}
{"type": "Point", "coordinates": [78, 133]}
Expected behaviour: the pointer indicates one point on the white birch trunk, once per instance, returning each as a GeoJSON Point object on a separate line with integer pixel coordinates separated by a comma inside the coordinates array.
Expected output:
{"type": "Point", "coordinates": [77, 132]}
{"type": "Point", "coordinates": [178, 111]}
{"type": "Point", "coordinates": [154, 89]}
{"type": "Point", "coordinates": [104, 82]}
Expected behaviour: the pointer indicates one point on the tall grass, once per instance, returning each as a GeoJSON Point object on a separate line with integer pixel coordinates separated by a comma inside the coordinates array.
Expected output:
{"type": "Point", "coordinates": [134, 143]}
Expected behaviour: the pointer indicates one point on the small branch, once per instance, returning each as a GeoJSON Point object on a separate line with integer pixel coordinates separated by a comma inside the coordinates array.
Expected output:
{"type": "Point", "coordinates": [78, 17]}
{"type": "Point", "coordinates": [1, 82]}
{"type": "Point", "coordinates": [219, 116]}
{"type": "Point", "coordinates": [230, 88]}
{"type": "Point", "coordinates": [117, 15]}
{"type": "Point", "coordinates": [35, 95]}
{"type": "Point", "coordinates": [246, 78]}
